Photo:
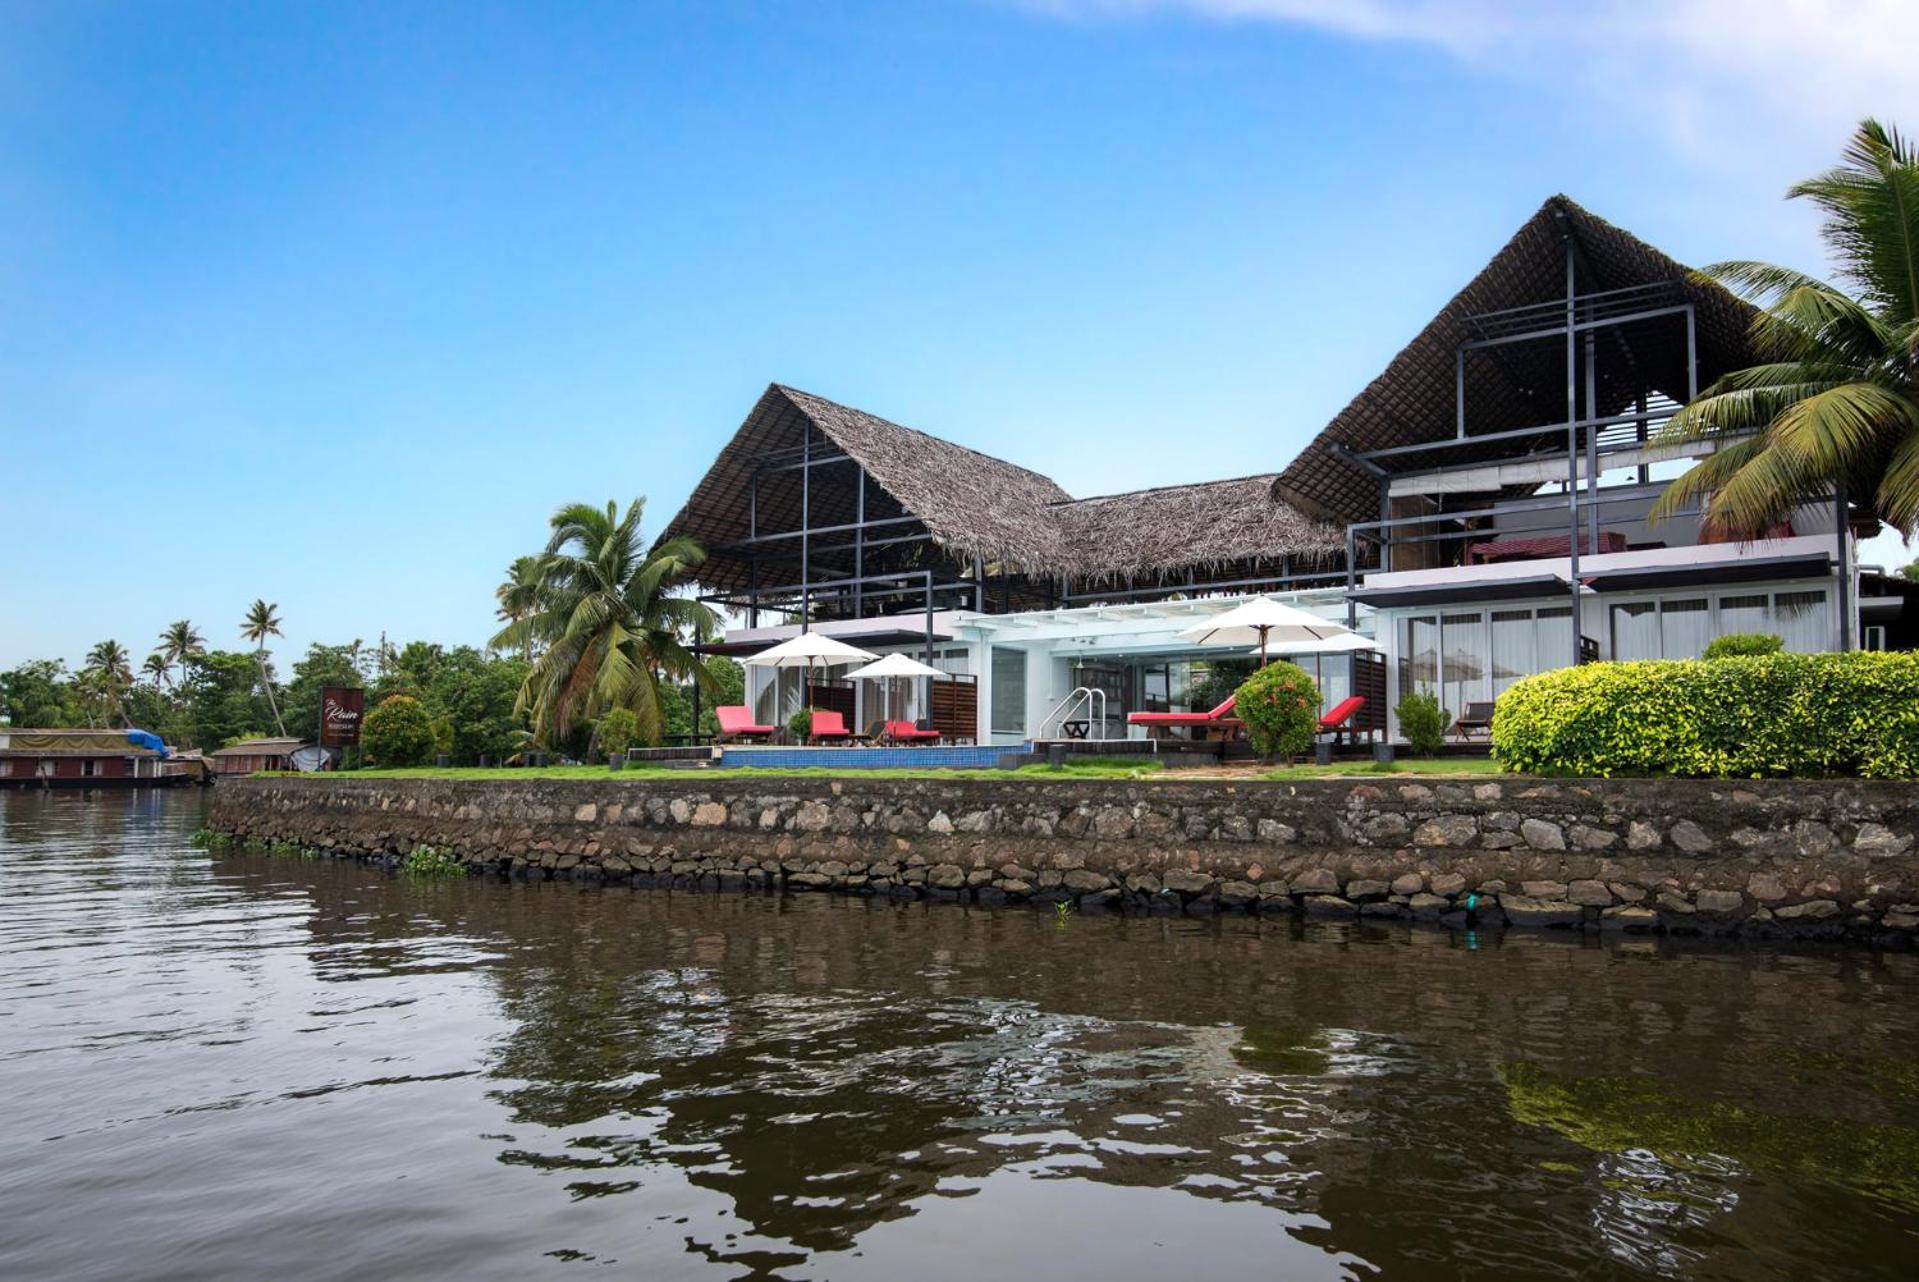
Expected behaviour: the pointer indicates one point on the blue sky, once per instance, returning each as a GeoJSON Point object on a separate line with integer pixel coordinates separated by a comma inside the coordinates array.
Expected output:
{"type": "Point", "coordinates": [333, 304]}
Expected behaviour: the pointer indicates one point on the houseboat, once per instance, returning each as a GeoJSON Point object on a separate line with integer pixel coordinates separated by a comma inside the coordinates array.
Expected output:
{"type": "Point", "coordinates": [86, 758]}
{"type": "Point", "coordinates": [1479, 511]}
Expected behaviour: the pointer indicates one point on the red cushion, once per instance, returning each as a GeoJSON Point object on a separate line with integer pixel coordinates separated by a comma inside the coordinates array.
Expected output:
{"type": "Point", "coordinates": [735, 719]}
{"type": "Point", "coordinates": [907, 730]}
{"type": "Point", "coordinates": [1342, 712]}
{"type": "Point", "coordinates": [828, 725]}
{"type": "Point", "coordinates": [1182, 718]}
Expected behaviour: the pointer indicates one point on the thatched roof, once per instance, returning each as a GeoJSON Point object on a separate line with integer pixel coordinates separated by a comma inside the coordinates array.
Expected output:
{"type": "Point", "coordinates": [973, 504]}
{"type": "Point", "coordinates": [1149, 533]}
{"type": "Point", "coordinates": [1522, 385]}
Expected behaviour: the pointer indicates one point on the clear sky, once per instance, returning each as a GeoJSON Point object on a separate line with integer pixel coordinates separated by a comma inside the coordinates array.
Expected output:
{"type": "Point", "coordinates": [332, 304]}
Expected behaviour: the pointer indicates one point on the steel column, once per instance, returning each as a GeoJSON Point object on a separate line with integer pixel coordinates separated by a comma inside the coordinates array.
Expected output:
{"type": "Point", "coordinates": [806, 527]}
{"type": "Point", "coordinates": [1572, 441]}
{"type": "Point", "coordinates": [859, 540]}
{"type": "Point", "coordinates": [1840, 505]}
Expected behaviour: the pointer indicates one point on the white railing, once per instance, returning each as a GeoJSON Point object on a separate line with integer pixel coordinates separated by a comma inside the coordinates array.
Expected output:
{"type": "Point", "coordinates": [1091, 700]}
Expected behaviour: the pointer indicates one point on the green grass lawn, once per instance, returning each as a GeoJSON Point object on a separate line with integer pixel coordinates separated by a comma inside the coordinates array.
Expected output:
{"type": "Point", "coordinates": [1090, 768]}
{"type": "Point", "coordinates": [1440, 766]}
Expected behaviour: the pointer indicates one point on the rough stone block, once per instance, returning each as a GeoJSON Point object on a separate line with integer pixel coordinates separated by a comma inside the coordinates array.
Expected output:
{"type": "Point", "coordinates": [1589, 894]}
{"type": "Point", "coordinates": [1542, 835]}
{"type": "Point", "coordinates": [1522, 910]}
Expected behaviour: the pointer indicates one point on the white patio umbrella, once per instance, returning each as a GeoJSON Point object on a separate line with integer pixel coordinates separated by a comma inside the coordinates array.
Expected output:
{"type": "Point", "coordinates": [893, 665]}
{"type": "Point", "coordinates": [1263, 621]}
{"type": "Point", "coordinates": [808, 650]}
{"type": "Point", "coordinates": [1332, 645]}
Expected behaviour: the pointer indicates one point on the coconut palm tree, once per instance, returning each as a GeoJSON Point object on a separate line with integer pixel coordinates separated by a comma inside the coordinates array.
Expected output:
{"type": "Point", "coordinates": [110, 674]}
{"type": "Point", "coordinates": [262, 621]}
{"type": "Point", "coordinates": [157, 670]}
{"type": "Point", "coordinates": [1835, 408]}
{"type": "Point", "coordinates": [180, 643]}
{"type": "Point", "coordinates": [520, 596]}
{"type": "Point", "coordinates": [609, 625]}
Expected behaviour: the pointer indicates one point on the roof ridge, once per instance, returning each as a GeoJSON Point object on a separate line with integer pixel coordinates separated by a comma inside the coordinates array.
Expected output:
{"type": "Point", "coordinates": [1177, 485]}
{"type": "Point", "coordinates": [789, 390]}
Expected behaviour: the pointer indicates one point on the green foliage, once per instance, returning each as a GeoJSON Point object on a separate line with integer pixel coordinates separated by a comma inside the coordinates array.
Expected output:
{"type": "Point", "coordinates": [1776, 714]}
{"type": "Point", "coordinates": [398, 732]}
{"type": "Point", "coordinates": [221, 701]}
{"type": "Point", "coordinates": [600, 610]}
{"type": "Point", "coordinates": [427, 862]}
{"type": "Point", "coordinates": [800, 724]}
{"type": "Point", "coordinates": [1736, 644]}
{"type": "Point", "coordinates": [39, 693]}
{"type": "Point", "coordinates": [1280, 705]}
{"type": "Point", "coordinates": [728, 688]}
{"type": "Point", "coordinates": [1910, 571]}
{"type": "Point", "coordinates": [617, 731]}
{"type": "Point", "coordinates": [1623, 1114]}
{"type": "Point", "coordinates": [324, 665]}
{"type": "Point", "coordinates": [1423, 722]}
{"type": "Point", "coordinates": [1837, 402]}
{"type": "Point", "coordinates": [1223, 677]}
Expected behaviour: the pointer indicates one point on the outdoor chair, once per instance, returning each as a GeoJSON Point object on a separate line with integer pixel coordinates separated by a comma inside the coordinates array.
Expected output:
{"type": "Point", "coordinates": [736, 723]}
{"type": "Point", "coordinates": [829, 725]}
{"type": "Point", "coordinates": [907, 732]}
{"type": "Point", "coordinates": [1339, 718]}
{"type": "Point", "coordinates": [1477, 718]}
{"type": "Point", "coordinates": [1219, 719]}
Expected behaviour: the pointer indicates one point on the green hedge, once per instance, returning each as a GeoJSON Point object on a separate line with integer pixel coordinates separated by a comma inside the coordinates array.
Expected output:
{"type": "Point", "coordinates": [1775, 714]}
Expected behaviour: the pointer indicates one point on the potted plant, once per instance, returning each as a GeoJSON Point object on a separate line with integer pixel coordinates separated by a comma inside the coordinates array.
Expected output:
{"type": "Point", "coordinates": [800, 725]}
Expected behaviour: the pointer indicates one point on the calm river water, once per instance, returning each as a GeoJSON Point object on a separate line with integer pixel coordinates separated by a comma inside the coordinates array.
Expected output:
{"type": "Point", "coordinates": [250, 1067]}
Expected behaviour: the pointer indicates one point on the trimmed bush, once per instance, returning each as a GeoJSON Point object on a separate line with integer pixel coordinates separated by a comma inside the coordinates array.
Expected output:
{"type": "Point", "coordinates": [1280, 706]}
{"type": "Point", "coordinates": [617, 730]}
{"type": "Point", "coordinates": [1423, 722]}
{"type": "Point", "coordinates": [398, 732]}
{"type": "Point", "coordinates": [1736, 644]}
{"type": "Point", "coordinates": [800, 724]}
{"type": "Point", "coordinates": [1774, 714]}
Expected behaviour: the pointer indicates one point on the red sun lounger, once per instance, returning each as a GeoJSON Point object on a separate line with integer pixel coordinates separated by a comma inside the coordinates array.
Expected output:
{"type": "Point", "coordinates": [737, 723]}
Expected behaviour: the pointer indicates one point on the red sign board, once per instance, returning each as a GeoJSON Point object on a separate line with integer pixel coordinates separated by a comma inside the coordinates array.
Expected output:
{"type": "Point", "coordinates": [340, 709]}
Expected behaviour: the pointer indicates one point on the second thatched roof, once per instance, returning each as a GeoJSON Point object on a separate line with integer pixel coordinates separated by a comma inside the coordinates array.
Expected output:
{"type": "Point", "coordinates": [975, 505]}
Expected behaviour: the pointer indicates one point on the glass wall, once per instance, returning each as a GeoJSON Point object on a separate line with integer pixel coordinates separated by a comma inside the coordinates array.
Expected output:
{"type": "Point", "coordinates": [1681, 628]}
{"type": "Point", "coordinates": [1009, 691]}
{"type": "Point", "coordinates": [1515, 647]}
{"type": "Point", "coordinates": [1463, 650]}
{"type": "Point", "coordinates": [1800, 620]}
{"type": "Point", "coordinates": [1635, 630]}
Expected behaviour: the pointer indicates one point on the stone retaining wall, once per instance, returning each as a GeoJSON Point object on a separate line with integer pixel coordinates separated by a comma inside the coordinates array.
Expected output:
{"type": "Point", "coordinates": [1820, 859]}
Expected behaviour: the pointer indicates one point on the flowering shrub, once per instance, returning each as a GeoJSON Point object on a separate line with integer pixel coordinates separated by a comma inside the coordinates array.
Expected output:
{"type": "Point", "coordinates": [399, 732]}
{"type": "Point", "coordinates": [1280, 706]}
{"type": "Point", "coordinates": [1771, 714]}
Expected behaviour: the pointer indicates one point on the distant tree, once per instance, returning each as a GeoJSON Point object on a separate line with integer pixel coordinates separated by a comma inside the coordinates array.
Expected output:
{"type": "Point", "coordinates": [324, 665]}
{"type": "Point", "coordinates": [38, 693]}
{"type": "Point", "coordinates": [262, 621]}
{"type": "Point", "coordinates": [157, 671]}
{"type": "Point", "coordinates": [476, 692]}
{"type": "Point", "coordinates": [180, 642]}
{"type": "Point", "coordinates": [616, 731]}
{"type": "Point", "coordinates": [520, 596]}
{"type": "Point", "coordinates": [107, 675]}
{"type": "Point", "coordinates": [1910, 571]}
{"type": "Point", "coordinates": [220, 700]}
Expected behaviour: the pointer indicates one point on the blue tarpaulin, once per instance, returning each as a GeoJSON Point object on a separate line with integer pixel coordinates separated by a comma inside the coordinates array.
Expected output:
{"type": "Point", "coordinates": [148, 739]}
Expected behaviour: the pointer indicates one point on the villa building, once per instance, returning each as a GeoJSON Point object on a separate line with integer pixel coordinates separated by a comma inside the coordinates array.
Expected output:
{"type": "Point", "coordinates": [1479, 510]}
